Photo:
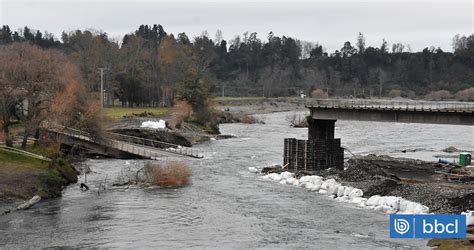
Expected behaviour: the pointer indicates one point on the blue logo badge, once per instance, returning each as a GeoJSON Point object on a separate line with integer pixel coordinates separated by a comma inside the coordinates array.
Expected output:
{"type": "Point", "coordinates": [428, 226]}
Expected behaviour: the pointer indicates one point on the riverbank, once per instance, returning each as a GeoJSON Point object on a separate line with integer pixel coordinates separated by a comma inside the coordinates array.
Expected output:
{"type": "Point", "coordinates": [22, 177]}
{"type": "Point", "coordinates": [414, 180]}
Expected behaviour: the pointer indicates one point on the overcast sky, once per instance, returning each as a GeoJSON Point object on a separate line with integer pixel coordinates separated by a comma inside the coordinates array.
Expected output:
{"type": "Point", "coordinates": [420, 23]}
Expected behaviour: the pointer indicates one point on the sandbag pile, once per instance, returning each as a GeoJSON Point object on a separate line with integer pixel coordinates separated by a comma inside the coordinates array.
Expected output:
{"type": "Point", "coordinates": [330, 187]}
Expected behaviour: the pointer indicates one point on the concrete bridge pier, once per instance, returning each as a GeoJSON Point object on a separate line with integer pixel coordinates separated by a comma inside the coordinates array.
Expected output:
{"type": "Point", "coordinates": [319, 152]}
{"type": "Point", "coordinates": [324, 150]}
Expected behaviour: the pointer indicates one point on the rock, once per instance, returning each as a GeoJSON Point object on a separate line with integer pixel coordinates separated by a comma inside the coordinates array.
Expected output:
{"type": "Point", "coordinates": [29, 203]}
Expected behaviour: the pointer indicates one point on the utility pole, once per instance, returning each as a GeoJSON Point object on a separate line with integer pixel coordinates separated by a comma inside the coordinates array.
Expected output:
{"type": "Point", "coordinates": [102, 87]}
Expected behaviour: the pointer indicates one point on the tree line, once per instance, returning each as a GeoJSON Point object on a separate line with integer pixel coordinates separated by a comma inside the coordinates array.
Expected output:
{"type": "Point", "coordinates": [150, 67]}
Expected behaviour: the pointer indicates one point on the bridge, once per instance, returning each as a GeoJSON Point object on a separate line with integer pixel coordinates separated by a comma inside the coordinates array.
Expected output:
{"type": "Point", "coordinates": [122, 146]}
{"type": "Point", "coordinates": [322, 150]}
{"type": "Point", "coordinates": [456, 113]}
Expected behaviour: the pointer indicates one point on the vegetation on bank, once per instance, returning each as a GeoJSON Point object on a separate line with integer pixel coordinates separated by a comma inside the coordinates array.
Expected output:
{"type": "Point", "coordinates": [22, 176]}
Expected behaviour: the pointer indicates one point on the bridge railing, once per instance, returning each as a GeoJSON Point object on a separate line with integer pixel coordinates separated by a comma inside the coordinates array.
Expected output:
{"type": "Point", "coordinates": [444, 106]}
{"type": "Point", "coordinates": [114, 140]}
{"type": "Point", "coordinates": [169, 147]}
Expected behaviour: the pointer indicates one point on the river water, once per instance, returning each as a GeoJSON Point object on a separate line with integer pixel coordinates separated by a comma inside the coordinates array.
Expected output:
{"type": "Point", "coordinates": [226, 206]}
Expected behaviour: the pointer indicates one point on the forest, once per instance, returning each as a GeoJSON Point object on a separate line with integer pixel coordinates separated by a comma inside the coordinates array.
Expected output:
{"type": "Point", "coordinates": [150, 67]}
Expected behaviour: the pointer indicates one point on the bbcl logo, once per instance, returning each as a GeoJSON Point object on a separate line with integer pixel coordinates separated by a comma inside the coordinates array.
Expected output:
{"type": "Point", "coordinates": [427, 226]}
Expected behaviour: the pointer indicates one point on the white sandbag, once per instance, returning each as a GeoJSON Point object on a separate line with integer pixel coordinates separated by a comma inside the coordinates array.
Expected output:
{"type": "Point", "coordinates": [357, 200]}
{"type": "Point", "coordinates": [290, 181]}
{"type": "Point", "coordinates": [343, 198]}
{"type": "Point", "coordinates": [378, 208]}
{"type": "Point", "coordinates": [386, 208]}
{"type": "Point", "coordinates": [322, 191]}
{"type": "Point", "coordinates": [253, 170]}
{"type": "Point", "coordinates": [286, 175]}
{"type": "Point", "coordinates": [340, 191]}
{"type": "Point", "coordinates": [347, 191]}
{"type": "Point", "coordinates": [381, 201]}
{"type": "Point", "coordinates": [362, 204]}
{"type": "Point", "coordinates": [403, 205]}
{"type": "Point", "coordinates": [373, 200]}
{"type": "Point", "coordinates": [316, 188]}
{"type": "Point", "coordinates": [469, 217]}
{"type": "Point", "coordinates": [296, 182]}
{"type": "Point", "coordinates": [154, 124]}
{"type": "Point", "coordinates": [420, 209]}
{"type": "Point", "coordinates": [283, 182]}
{"type": "Point", "coordinates": [308, 185]}
{"type": "Point", "coordinates": [325, 185]}
{"type": "Point", "coordinates": [393, 202]}
{"type": "Point", "coordinates": [332, 189]}
{"type": "Point", "coordinates": [410, 207]}
{"type": "Point", "coordinates": [332, 196]}
{"type": "Point", "coordinates": [356, 193]}
{"type": "Point", "coordinates": [274, 176]}
{"type": "Point", "coordinates": [315, 179]}
{"type": "Point", "coordinates": [304, 179]}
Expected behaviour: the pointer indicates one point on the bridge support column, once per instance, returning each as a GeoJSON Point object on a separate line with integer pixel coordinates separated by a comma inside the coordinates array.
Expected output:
{"type": "Point", "coordinates": [320, 151]}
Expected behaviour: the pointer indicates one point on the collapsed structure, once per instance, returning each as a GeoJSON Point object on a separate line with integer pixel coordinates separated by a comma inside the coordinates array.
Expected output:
{"type": "Point", "coordinates": [320, 151]}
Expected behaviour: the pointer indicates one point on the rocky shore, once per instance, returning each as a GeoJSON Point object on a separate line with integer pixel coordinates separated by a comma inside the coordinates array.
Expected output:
{"type": "Point", "coordinates": [413, 180]}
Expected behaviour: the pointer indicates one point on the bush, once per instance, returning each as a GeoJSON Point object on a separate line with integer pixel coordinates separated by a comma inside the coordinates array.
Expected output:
{"type": "Point", "coordinates": [248, 119]}
{"type": "Point", "coordinates": [439, 95]}
{"type": "Point", "coordinates": [168, 174]}
{"type": "Point", "coordinates": [183, 110]}
{"type": "Point", "coordinates": [319, 93]}
{"type": "Point", "coordinates": [466, 94]}
{"type": "Point", "coordinates": [394, 93]}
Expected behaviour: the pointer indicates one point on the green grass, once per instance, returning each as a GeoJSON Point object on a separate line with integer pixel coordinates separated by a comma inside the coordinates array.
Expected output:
{"type": "Point", "coordinates": [22, 176]}
{"type": "Point", "coordinates": [15, 162]}
{"type": "Point", "coordinates": [117, 113]}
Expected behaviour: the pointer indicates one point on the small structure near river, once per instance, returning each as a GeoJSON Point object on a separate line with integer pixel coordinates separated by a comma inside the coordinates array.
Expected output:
{"type": "Point", "coordinates": [319, 152]}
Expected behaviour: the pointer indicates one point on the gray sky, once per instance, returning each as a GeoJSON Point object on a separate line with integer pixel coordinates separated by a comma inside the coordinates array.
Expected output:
{"type": "Point", "coordinates": [420, 23]}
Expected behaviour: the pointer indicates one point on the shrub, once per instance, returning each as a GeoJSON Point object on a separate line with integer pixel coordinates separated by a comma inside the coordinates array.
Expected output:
{"type": "Point", "coordinates": [395, 93]}
{"type": "Point", "coordinates": [168, 174]}
{"type": "Point", "coordinates": [319, 93]}
{"type": "Point", "coordinates": [439, 95]}
{"type": "Point", "coordinates": [248, 119]}
{"type": "Point", "coordinates": [183, 110]}
{"type": "Point", "coordinates": [466, 94]}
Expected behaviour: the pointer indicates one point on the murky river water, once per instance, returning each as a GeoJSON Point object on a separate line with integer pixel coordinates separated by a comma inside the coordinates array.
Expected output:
{"type": "Point", "coordinates": [227, 207]}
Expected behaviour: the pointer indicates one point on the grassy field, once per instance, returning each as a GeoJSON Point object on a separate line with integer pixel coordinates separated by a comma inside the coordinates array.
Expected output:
{"type": "Point", "coordinates": [23, 177]}
{"type": "Point", "coordinates": [117, 113]}
{"type": "Point", "coordinates": [238, 101]}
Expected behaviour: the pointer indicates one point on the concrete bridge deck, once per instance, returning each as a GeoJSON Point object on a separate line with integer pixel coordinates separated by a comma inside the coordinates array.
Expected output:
{"type": "Point", "coordinates": [457, 113]}
{"type": "Point", "coordinates": [117, 144]}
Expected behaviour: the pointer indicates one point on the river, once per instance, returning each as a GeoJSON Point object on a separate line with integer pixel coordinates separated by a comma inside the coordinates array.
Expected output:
{"type": "Point", "coordinates": [226, 206]}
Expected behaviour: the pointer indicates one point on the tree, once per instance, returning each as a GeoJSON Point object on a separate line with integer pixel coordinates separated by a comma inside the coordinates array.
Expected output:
{"type": "Point", "coordinates": [384, 47]}
{"type": "Point", "coordinates": [30, 79]}
{"type": "Point", "coordinates": [360, 43]}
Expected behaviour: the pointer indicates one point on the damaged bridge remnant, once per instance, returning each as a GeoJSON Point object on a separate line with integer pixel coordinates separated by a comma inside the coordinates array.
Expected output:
{"type": "Point", "coordinates": [320, 151]}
